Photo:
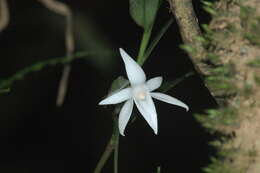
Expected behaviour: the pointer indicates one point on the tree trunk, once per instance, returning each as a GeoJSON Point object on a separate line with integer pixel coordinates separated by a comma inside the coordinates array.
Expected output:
{"type": "Point", "coordinates": [232, 45]}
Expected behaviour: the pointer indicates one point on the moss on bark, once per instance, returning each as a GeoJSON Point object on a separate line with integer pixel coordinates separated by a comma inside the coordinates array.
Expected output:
{"type": "Point", "coordinates": [233, 37]}
{"type": "Point", "coordinates": [231, 55]}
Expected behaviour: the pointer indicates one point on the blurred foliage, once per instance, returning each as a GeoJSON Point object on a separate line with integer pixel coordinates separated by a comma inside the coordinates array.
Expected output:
{"type": "Point", "coordinates": [37, 67]}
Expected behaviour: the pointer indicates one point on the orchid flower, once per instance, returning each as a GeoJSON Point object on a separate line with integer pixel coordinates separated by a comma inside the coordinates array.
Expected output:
{"type": "Point", "coordinates": [141, 93]}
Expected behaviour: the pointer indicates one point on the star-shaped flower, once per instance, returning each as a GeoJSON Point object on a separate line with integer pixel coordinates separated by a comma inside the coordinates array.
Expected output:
{"type": "Point", "coordinates": [141, 93]}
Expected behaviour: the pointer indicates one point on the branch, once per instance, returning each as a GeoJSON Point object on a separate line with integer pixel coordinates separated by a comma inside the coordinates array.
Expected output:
{"type": "Point", "coordinates": [189, 29]}
{"type": "Point", "coordinates": [4, 15]}
{"type": "Point", "coordinates": [63, 9]}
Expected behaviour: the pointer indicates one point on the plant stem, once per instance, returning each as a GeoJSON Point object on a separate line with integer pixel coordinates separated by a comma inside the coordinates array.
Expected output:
{"type": "Point", "coordinates": [113, 144]}
{"type": "Point", "coordinates": [157, 39]}
{"type": "Point", "coordinates": [143, 45]}
{"type": "Point", "coordinates": [116, 147]}
{"type": "Point", "coordinates": [189, 28]}
{"type": "Point", "coordinates": [109, 148]}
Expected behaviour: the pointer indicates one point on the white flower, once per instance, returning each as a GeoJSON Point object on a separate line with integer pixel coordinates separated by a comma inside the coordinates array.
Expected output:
{"type": "Point", "coordinates": [141, 93]}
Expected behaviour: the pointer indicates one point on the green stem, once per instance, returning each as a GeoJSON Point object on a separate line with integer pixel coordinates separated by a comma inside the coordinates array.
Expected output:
{"type": "Point", "coordinates": [113, 145]}
{"type": "Point", "coordinates": [116, 142]}
{"type": "Point", "coordinates": [157, 39]}
{"type": "Point", "coordinates": [143, 45]}
{"type": "Point", "coordinates": [145, 51]}
{"type": "Point", "coordinates": [109, 148]}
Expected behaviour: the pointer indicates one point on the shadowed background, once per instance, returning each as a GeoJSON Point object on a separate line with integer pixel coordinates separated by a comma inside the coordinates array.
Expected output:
{"type": "Point", "coordinates": [37, 136]}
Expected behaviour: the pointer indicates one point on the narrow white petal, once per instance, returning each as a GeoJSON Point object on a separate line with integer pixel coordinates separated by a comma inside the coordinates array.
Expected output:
{"type": "Point", "coordinates": [147, 109]}
{"type": "Point", "coordinates": [124, 115]}
{"type": "Point", "coordinates": [134, 72]}
{"type": "Point", "coordinates": [169, 99]}
{"type": "Point", "coordinates": [154, 83]}
{"type": "Point", "coordinates": [117, 97]}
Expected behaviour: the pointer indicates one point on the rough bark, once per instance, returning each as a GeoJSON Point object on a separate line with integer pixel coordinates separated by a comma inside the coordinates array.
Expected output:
{"type": "Point", "coordinates": [232, 45]}
{"type": "Point", "coordinates": [190, 32]}
{"type": "Point", "coordinates": [236, 39]}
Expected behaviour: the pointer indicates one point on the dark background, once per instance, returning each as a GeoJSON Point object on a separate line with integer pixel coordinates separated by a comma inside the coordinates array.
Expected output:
{"type": "Point", "coordinates": [38, 137]}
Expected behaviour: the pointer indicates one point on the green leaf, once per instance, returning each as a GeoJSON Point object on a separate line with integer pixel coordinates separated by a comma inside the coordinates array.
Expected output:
{"type": "Point", "coordinates": [144, 11]}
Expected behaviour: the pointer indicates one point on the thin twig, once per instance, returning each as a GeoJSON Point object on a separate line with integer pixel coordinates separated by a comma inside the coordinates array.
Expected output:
{"type": "Point", "coordinates": [4, 15]}
{"type": "Point", "coordinates": [63, 9]}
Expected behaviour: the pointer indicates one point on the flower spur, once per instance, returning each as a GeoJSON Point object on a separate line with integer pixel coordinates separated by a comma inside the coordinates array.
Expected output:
{"type": "Point", "coordinates": [140, 93]}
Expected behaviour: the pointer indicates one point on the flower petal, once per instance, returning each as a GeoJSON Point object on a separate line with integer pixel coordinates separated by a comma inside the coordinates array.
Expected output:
{"type": "Point", "coordinates": [134, 72]}
{"type": "Point", "coordinates": [124, 115]}
{"type": "Point", "coordinates": [169, 99]}
{"type": "Point", "coordinates": [118, 97]}
{"type": "Point", "coordinates": [154, 83]}
{"type": "Point", "coordinates": [147, 109]}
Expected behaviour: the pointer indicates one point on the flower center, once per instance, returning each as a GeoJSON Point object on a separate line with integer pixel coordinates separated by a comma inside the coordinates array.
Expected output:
{"type": "Point", "coordinates": [140, 92]}
{"type": "Point", "coordinates": [141, 95]}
